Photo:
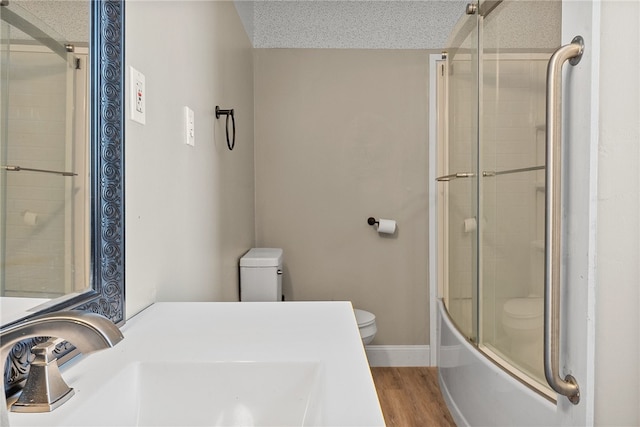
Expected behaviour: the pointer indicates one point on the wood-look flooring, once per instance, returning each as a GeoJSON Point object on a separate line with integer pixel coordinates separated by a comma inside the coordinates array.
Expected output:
{"type": "Point", "coordinates": [410, 397]}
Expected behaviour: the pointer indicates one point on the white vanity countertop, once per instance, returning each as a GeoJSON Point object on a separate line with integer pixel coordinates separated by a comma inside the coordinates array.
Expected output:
{"type": "Point", "coordinates": [319, 332]}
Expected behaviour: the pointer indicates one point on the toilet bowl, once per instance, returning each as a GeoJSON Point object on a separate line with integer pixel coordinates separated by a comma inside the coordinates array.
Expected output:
{"type": "Point", "coordinates": [523, 323]}
{"type": "Point", "coordinates": [366, 325]}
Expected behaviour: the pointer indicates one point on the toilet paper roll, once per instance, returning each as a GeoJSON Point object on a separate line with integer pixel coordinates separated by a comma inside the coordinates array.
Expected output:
{"type": "Point", "coordinates": [30, 218]}
{"type": "Point", "coordinates": [386, 226]}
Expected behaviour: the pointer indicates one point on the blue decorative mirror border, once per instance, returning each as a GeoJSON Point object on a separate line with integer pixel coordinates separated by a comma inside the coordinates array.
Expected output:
{"type": "Point", "coordinates": [107, 294]}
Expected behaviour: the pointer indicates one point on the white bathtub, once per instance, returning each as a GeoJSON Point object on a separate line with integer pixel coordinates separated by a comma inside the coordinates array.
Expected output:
{"type": "Point", "coordinates": [479, 393]}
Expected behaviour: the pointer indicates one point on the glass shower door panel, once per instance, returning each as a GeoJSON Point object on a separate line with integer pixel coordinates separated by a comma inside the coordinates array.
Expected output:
{"type": "Point", "coordinates": [4, 103]}
{"type": "Point", "coordinates": [462, 189]}
{"type": "Point", "coordinates": [514, 55]}
{"type": "Point", "coordinates": [35, 135]}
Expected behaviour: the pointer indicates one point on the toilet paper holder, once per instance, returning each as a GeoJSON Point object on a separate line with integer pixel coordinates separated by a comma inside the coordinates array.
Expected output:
{"type": "Point", "coordinates": [371, 221]}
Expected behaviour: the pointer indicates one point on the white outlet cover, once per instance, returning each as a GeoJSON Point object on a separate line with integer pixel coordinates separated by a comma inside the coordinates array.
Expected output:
{"type": "Point", "coordinates": [138, 96]}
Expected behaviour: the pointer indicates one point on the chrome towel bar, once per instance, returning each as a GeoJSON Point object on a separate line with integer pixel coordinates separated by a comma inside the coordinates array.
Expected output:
{"type": "Point", "coordinates": [453, 176]}
{"type": "Point", "coordinates": [510, 171]}
{"type": "Point", "coordinates": [12, 168]}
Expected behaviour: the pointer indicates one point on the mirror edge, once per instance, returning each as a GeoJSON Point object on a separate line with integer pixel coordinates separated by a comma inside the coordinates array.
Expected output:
{"type": "Point", "coordinates": [107, 293]}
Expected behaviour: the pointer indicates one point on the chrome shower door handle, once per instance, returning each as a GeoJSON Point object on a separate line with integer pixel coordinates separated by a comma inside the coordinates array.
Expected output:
{"type": "Point", "coordinates": [553, 225]}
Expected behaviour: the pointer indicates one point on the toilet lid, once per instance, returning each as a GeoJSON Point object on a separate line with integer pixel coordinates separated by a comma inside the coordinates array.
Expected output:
{"type": "Point", "coordinates": [524, 308]}
{"type": "Point", "coordinates": [364, 318]}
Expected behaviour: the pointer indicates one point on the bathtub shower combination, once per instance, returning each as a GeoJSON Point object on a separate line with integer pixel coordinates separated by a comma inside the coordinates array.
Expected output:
{"type": "Point", "coordinates": [506, 245]}
{"type": "Point", "coordinates": [498, 197]}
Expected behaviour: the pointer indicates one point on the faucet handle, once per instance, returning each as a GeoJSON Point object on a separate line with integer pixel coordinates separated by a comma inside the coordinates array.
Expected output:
{"type": "Point", "coordinates": [45, 389]}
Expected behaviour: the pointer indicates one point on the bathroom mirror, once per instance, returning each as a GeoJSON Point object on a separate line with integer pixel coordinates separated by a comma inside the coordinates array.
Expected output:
{"type": "Point", "coordinates": [105, 290]}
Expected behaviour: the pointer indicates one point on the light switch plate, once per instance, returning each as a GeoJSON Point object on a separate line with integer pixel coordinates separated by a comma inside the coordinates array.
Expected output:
{"type": "Point", "coordinates": [138, 96]}
{"type": "Point", "coordinates": [189, 127]}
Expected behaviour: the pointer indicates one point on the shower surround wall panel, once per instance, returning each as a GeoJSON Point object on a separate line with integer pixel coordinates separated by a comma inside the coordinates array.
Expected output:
{"type": "Point", "coordinates": [341, 135]}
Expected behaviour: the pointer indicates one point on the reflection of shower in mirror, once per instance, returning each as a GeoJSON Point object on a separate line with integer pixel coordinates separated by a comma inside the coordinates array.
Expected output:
{"type": "Point", "coordinates": [44, 208]}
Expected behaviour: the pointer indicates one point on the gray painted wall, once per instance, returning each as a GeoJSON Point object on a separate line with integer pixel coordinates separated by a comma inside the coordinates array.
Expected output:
{"type": "Point", "coordinates": [189, 210]}
{"type": "Point", "coordinates": [341, 135]}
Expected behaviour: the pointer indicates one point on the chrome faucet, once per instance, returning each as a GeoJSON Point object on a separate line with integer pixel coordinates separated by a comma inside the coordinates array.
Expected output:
{"type": "Point", "coordinates": [45, 389]}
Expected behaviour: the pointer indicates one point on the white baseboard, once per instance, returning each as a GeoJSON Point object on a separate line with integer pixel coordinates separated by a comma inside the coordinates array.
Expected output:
{"type": "Point", "coordinates": [398, 355]}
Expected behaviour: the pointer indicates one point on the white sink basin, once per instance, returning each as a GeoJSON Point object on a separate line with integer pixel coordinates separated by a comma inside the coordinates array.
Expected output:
{"type": "Point", "coordinates": [207, 364]}
{"type": "Point", "coordinates": [206, 394]}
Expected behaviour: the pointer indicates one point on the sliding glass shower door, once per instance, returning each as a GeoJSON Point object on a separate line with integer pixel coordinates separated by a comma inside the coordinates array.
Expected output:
{"type": "Point", "coordinates": [511, 142]}
{"type": "Point", "coordinates": [495, 180]}
{"type": "Point", "coordinates": [521, 303]}
{"type": "Point", "coordinates": [459, 174]}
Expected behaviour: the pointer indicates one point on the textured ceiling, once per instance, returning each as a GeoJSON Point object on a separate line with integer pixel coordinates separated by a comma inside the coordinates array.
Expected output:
{"type": "Point", "coordinates": [341, 24]}
{"type": "Point", "coordinates": [69, 19]}
{"type": "Point", "coordinates": [364, 24]}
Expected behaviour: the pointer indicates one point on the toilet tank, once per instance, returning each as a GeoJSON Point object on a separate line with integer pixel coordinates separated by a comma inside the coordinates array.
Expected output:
{"type": "Point", "coordinates": [261, 275]}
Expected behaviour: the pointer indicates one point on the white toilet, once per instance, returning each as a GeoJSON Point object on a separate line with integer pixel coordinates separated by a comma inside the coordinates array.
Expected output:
{"type": "Point", "coordinates": [523, 318]}
{"type": "Point", "coordinates": [261, 275]}
{"type": "Point", "coordinates": [366, 325]}
{"type": "Point", "coordinates": [261, 280]}
{"type": "Point", "coordinates": [523, 322]}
